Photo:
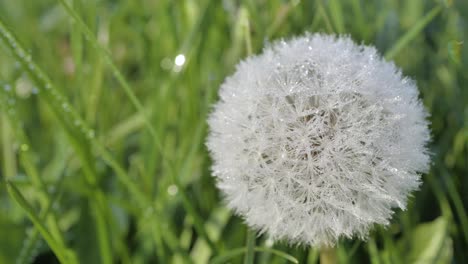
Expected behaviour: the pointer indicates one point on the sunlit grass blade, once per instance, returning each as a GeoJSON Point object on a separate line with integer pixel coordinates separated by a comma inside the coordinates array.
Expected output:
{"type": "Point", "coordinates": [215, 225]}
{"type": "Point", "coordinates": [281, 17]}
{"type": "Point", "coordinates": [412, 33]}
{"type": "Point", "coordinates": [123, 129]}
{"type": "Point", "coordinates": [9, 158]}
{"type": "Point", "coordinates": [336, 12]}
{"type": "Point", "coordinates": [358, 18]}
{"type": "Point", "coordinates": [244, 17]}
{"type": "Point", "coordinates": [324, 15]}
{"type": "Point", "coordinates": [239, 251]}
{"type": "Point", "coordinates": [373, 252]}
{"type": "Point", "coordinates": [64, 254]}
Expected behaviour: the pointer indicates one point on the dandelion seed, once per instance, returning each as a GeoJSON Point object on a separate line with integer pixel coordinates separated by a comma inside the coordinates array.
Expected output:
{"type": "Point", "coordinates": [316, 139]}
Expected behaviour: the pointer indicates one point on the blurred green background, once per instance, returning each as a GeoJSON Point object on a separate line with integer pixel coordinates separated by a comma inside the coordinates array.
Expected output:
{"type": "Point", "coordinates": [103, 108]}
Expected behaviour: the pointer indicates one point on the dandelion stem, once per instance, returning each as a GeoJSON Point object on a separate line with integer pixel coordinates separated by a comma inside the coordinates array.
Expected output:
{"type": "Point", "coordinates": [328, 255]}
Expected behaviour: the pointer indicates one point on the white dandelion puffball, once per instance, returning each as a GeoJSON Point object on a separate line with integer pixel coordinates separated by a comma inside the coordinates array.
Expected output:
{"type": "Point", "coordinates": [316, 139]}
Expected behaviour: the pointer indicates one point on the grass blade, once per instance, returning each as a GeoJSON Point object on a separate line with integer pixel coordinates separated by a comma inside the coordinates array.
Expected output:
{"type": "Point", "coordinates": [64, 254]}
{"type": "Point", "coordinates": [66, 117]}
{"type": "Point", "coordinates": [373, 252]}
{"type": "Point", "coordinates": [412, 33]}
{"type": "Point", "coordinates": [137, 104]}
{"type": "Point", "coordinates": [323, 14]}
{"type": "Point", "coordinates": [239, 251]}
{"type": "Point", "coordinates": [336, 12]}
{"type": "Point", "coordinates": [250, 245]}
{"type": "Point", "coordinates": [9, 157]}
{"type": "Point", "coordinates": [115, 71]}
{"type": "Point", "coordinates": [8, 103]}
{"type": "Point", "coordinates": [278, 253]}
{"type": "Point", "coordinates": [457, 201]}
{"type": "Point", "coordinates": [227, 256]}
{"type": "Point", "coordinates": [33, 240]}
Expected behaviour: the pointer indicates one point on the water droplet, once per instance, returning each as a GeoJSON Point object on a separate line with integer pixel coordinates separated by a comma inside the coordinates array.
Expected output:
{"type": "Point", "coordinates": [172, 190]}
{"type": "Point", "coordinates": [23, 87]}
{"type": "Point", "coordinates": [51, 189]}
{"type": "Point", "coordinates": [90, 134]}
{"type": "Point", "coordinates": [24, 147]}
{"type": "Point", "coordinates": [269, 242]}
{"type": "Point", "coordinates": [35, 90]}
{"type": "Point", "coordinates": [179, 60]}
{"type": "Point", "coordinates": [166, 64]}
{"type": "Point", "coordinates": [7, 87]}
{"type": "Point", "coordinates": [148, 212]}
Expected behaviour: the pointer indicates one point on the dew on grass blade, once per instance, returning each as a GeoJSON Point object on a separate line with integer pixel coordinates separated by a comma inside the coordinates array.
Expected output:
{"type": "Point", "coordinates": [90, 134]}
{"type": "Point", "coordinates": [179, 62]}
{"type": "Point", "coordinates": [24, 147]}
{"type": "Point", "coordinates": [166, 64]}
{"type": "Point", "coordinates": [172, 190]}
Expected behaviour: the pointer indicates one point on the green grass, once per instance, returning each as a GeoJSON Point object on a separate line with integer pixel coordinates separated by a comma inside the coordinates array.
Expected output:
{"type": "Point", "coordinates": [102, 136]}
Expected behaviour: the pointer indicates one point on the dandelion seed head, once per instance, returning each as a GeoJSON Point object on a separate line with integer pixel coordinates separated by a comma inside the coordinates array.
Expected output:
{"type": "Point", "coordinates": [317, 138]}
